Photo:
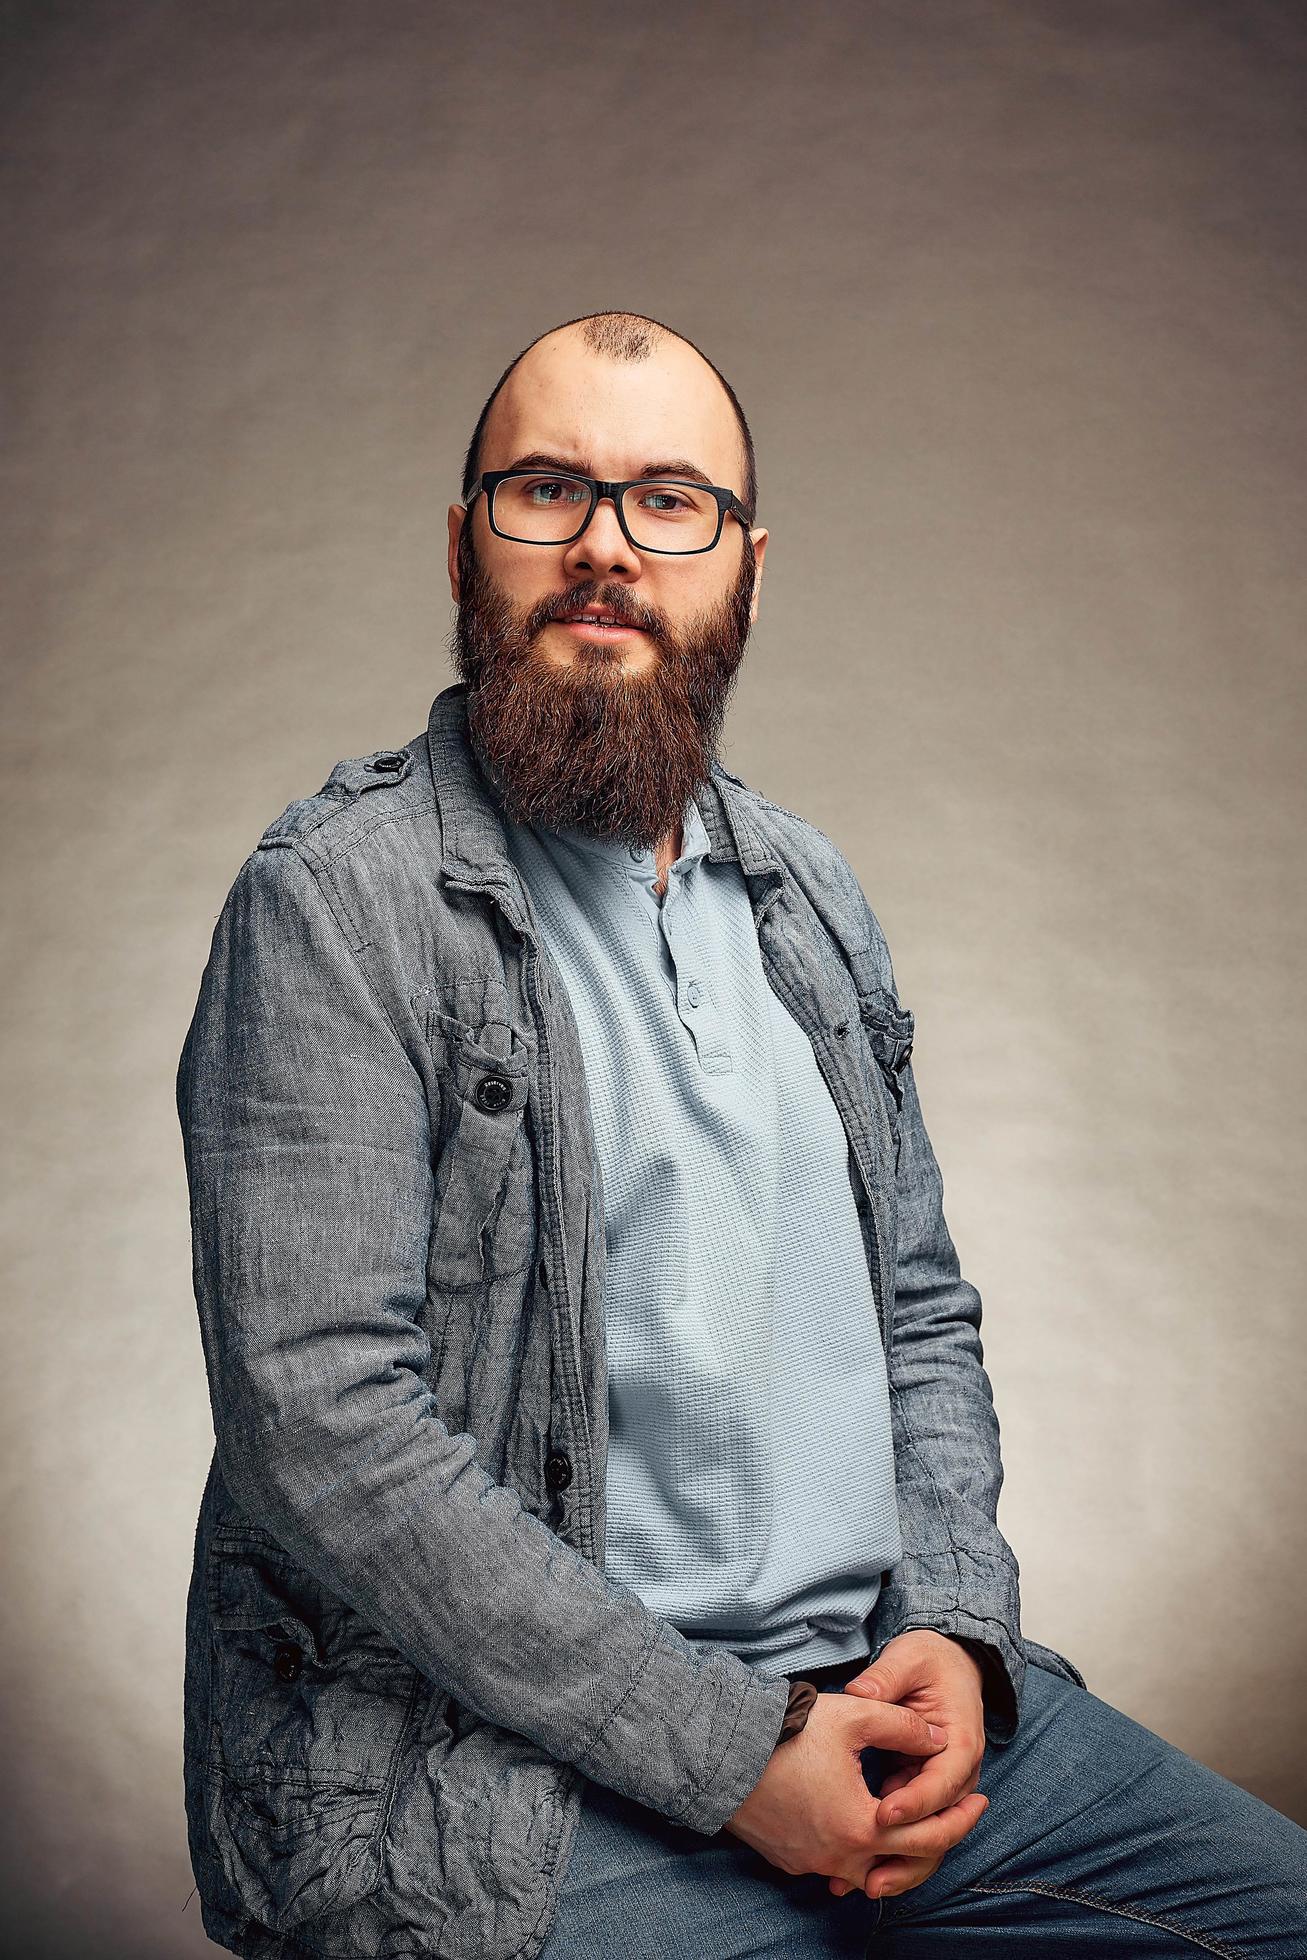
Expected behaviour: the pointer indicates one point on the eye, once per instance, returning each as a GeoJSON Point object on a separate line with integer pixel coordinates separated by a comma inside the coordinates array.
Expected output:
{"type": "Point", "coordinates": [665, 503]}
{"type": "Point", "coordinates": [546, 490]}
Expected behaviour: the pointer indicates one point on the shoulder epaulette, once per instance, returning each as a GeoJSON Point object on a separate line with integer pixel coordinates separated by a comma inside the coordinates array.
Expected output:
{"type": "Point", "coordinates": [350, 779]}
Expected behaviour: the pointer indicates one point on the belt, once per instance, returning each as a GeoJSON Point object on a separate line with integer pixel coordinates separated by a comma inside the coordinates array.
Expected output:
{"type": "Point", "coordinates": [837, 1673]}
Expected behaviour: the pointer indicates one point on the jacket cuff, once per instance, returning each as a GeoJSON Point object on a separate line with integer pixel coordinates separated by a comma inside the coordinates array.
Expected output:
{"type": "Point", "coordinates": [753, 1739]}
{"type": "Point", "coordinates": [691, 1734]}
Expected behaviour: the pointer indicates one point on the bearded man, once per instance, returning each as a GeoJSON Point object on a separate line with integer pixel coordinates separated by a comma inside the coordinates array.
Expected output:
{"type": "Point", "coordinates": [599, 1557]}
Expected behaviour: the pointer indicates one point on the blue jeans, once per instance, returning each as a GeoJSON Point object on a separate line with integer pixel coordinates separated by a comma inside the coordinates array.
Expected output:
{"type": "Point", "coordinates": [1100, 1839]}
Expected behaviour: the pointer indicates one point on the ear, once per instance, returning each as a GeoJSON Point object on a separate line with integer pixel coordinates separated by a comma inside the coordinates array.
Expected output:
{"type": "Point", "coordinates": [457, 518]}
{"type": "Point", "coordinates": [760, 552]}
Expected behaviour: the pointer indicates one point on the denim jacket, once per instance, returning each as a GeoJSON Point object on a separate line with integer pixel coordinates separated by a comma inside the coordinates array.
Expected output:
{"type": "Point", "coordinates": [403, 1655]}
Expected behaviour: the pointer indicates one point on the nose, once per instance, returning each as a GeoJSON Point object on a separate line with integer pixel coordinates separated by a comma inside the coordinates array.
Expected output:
{"type": "Point", "coordinates": [602, 549]}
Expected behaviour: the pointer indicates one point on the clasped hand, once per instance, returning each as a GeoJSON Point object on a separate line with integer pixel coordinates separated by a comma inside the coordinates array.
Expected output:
{"type": "Point", "coordinates": [920, 1705]}
{"type": "Point", "coordinates": [925, 1806]}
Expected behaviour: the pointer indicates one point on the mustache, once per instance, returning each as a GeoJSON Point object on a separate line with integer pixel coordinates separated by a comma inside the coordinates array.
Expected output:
{"type": "Point", "coordinates": [617, 600]}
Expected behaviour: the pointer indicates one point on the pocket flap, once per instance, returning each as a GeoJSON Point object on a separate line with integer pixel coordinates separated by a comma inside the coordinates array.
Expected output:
{"type": "Point", "coordinates": [244, 1596]}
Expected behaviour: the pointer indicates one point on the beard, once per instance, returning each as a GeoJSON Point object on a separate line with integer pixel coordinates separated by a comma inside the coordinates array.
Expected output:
{"type": "Point", "coordinates": [590, 746]}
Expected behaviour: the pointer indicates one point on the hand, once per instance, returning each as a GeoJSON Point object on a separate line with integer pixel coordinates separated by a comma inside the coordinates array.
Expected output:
{"type": "Point", "coordinates": [811, 1810]}
{"type": "Point", "coordinates": [938, 1678]}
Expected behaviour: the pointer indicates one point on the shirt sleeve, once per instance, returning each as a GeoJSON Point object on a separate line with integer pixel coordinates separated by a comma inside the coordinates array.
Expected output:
{"type": "Point", "coordinates": [307, 1141]}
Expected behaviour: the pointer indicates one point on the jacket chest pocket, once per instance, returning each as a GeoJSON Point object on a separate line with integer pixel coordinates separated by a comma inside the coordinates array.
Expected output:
{"type": "Point", "coordinates": [308, 1716]}
{"type": "Point", "coordinates": [484, 1216]}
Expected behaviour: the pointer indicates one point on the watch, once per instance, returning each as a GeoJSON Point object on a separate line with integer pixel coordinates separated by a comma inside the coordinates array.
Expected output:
{"type": "Point", "coordinates": [802, 1696]}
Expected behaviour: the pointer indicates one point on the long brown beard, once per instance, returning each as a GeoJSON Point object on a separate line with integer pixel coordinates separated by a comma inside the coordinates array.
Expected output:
{"type": "Point", "coordinates": [589, 746]}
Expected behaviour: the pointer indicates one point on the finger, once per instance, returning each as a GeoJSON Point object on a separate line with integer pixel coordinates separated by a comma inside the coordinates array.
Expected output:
{"type": "Point", "coordinates": [899, 1875]}
{"type": "Point", "coordinates": [904, 1731]}
{"type": "Point", "coordinates": [905, 1775]}
{"type": "Point", "coordinates": [936, 1784]}
{"type": "Point", "coordinates": [892, 1876]}
{"type": "Point", "coordinates": [934, 1835]}
{"type": "Point", "coordinates": [841, 1886]}
{"type": "Point", "coordinates": [889, 1678]}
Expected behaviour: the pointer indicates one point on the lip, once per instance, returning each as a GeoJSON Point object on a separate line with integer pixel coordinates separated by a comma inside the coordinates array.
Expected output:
{"type": "Point", "coordinates": [617, 631]}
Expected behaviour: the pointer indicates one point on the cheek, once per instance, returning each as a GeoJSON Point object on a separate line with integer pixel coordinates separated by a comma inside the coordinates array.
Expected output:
{"type": "Point", "coordinates": [694, 599]}
{"type": "Point", "coordinates": [514, 580]}
{"type": "Point", "coordinates": [523, 581]}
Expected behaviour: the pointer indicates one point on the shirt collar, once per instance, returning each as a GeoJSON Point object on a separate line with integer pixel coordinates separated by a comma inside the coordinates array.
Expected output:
{"type": "Point", "coordinates": [630, 861]}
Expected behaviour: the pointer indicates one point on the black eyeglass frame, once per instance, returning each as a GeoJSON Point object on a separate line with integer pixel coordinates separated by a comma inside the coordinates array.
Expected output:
{"type": "Point", "coordinates": [728, 504]}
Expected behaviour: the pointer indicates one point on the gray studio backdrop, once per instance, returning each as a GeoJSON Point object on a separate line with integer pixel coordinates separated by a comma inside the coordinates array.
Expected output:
{"type": "Point", "coordinates": [1013, 296]}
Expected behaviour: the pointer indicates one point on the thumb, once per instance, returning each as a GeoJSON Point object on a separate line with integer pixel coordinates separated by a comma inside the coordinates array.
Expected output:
{"type": "Point", "coordinates": [887, 1679]}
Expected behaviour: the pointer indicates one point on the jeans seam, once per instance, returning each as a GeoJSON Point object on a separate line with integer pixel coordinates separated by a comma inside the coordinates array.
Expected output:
{"type": "Point", "coordinates": [1122, 1912]}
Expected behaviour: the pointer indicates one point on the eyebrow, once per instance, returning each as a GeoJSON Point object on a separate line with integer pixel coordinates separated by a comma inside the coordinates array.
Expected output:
{"type": "Point", "coordinates": [540, 459]}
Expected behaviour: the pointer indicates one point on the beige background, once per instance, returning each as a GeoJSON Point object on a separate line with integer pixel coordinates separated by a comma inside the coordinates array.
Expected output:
{"type": "Point", "coordinates": [1013, 296]}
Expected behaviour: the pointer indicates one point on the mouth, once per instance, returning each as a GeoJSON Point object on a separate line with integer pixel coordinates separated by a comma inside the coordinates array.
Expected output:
{"type": "Point", "coordinates": [597, 623]}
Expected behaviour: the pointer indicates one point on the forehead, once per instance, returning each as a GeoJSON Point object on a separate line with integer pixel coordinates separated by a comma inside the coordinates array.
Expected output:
{"type": "Point", "coordinates": [619, 416]}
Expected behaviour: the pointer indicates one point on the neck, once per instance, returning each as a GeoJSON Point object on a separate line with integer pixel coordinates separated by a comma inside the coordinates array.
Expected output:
{"type": "Point", "coordinates": [666, 852]}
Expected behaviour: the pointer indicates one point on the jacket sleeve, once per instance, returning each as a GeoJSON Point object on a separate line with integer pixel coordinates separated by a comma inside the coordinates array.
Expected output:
{"type": "Point", "coordinates": [957, 1574]}
{"type": "Point", "coordinates": [308, 1153]}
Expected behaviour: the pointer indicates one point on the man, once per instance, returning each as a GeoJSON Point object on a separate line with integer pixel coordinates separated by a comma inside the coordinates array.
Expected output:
{"type": "Point", "coordinates": [590, 1363]}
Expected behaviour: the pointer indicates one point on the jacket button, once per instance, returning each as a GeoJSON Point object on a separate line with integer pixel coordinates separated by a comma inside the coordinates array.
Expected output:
{"type": "Point", "coordinates": [493, 1092]}
{"type": "Point", "coordinates": [287, 1660]}
{"type": "Point", "coordinates": [558, 1471]}
{"type": "Point", "coordinates": [387, 763]}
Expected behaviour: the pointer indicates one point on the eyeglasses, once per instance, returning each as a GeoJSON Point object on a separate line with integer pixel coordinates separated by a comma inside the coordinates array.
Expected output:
{"type": "Point", "coordinates": [666, 514]}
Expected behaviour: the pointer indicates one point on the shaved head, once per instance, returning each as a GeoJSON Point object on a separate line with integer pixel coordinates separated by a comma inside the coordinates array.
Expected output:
{"type": "Point", "coordinates": [628, 338]}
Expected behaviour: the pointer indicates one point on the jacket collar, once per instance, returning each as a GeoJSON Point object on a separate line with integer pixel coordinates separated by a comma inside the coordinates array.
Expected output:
{"type": "Point", "coordinates": [473, 848]}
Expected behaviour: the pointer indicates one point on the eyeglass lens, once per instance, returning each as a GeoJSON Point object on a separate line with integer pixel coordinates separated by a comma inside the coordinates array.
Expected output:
{"type": "Point", "coordinates": [659, 516]}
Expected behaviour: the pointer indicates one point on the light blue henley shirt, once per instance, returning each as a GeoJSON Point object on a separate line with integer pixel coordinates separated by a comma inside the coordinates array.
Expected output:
{"type": "Point", "coordinates": [750, 1468]}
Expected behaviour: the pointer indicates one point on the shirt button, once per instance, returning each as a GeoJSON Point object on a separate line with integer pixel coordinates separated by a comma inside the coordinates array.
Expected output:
{"type": "Point", "coordinates": [287, 1660]}
{"type": "Point", "coordinates": [637, 855]}
{"type": "Point", "coordinates": [694, 993]}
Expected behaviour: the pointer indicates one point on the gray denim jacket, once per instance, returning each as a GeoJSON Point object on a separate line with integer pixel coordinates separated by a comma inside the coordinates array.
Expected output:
{"type": "Point", "coordinates": [403, 1655]}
